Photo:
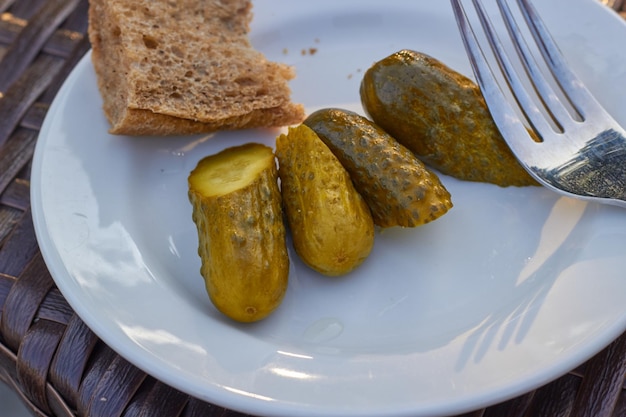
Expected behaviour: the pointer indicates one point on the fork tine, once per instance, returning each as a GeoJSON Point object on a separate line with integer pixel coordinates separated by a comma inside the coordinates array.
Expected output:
{"type": "Point", "coordinates": [582, 100]}
{"type": "Point", "coordinates": [559, 114]}
{"type": "Point", "coordinates": [505, 117]}
{"type": "Point", "coordinates": [521, 95]}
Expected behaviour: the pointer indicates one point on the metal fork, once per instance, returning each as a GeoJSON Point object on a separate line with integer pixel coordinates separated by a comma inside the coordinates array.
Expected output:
{"type": "Point", "coordinates": [582, 155]}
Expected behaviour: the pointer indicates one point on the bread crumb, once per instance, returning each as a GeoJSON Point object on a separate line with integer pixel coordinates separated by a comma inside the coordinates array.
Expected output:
{"type": "Point", "coordinates": [358, 70]}
{"type": "Point", "coordinates": [310, 51]}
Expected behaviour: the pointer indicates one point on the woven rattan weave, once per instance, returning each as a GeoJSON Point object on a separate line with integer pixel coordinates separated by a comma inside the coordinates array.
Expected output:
{"type": "Point", "coordinates": [48, 355]}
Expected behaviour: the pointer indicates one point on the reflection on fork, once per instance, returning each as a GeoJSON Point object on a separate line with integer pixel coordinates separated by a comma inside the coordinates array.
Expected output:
{"type": "Point", "coordinates": [581, 149]}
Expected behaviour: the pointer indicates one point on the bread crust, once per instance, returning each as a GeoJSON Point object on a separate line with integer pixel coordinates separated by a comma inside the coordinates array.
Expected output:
{"type": "Point", "coordinates": [138, 122]}
{"type": "Point", "coordinates": [185, 67]}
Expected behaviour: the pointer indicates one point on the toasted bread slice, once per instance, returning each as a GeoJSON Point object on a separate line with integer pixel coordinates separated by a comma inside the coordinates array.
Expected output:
{"type": "Point", "coordinates": [187, 66]}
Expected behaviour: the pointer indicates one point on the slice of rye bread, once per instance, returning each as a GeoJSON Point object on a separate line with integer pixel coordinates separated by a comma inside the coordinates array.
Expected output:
{"type": "Point", "coordinates": [173, 67]}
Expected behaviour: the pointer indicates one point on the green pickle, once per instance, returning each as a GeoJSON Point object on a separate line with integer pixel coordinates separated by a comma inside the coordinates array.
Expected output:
{"type": "Point", "coordinates": [331, 225]}
{"type": "Point", "coordinates": [237, 209]}
{"type": "Point", "coordinates": [441, 116]}
{"type": "Point", "coordinates": [398, 188]}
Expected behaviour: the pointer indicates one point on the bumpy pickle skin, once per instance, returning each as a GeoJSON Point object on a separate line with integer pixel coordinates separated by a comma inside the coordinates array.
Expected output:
{"type": "Point", "coordinates": [331, 225]}
{"type": "Point", "coordinates": [237, 210]}
{"type": "Point", "coordinates": [399, 189]}
{"type": "Point", "coordinates": [441, 116]}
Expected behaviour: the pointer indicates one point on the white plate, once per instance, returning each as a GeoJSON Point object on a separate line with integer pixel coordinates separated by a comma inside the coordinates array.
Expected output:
{"type": "Point", "coordinates": [512, 288]}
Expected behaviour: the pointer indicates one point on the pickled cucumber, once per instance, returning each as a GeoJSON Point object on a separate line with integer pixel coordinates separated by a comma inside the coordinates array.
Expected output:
{"type": "Point", "coordinates": [237, 210]}
{"type": "Point", "coordinates": [397, 186]}
{"type": "Point", "coordinates": [441, 116]}
{"type": "Point", "coordinates": [330, 223]}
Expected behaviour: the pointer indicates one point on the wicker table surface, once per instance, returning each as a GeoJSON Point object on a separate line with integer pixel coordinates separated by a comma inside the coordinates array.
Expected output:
{"type": "Point", "coordinates": [48, 355]}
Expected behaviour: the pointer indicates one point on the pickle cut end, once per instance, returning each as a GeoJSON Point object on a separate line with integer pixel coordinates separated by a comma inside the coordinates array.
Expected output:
{"type": "Point", "coordinates": [230, 170]}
